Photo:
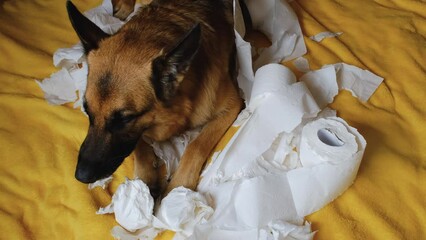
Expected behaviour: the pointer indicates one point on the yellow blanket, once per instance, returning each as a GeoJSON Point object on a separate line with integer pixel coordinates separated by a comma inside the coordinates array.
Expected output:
{"type": "Point", "coordinates": [40, 199]}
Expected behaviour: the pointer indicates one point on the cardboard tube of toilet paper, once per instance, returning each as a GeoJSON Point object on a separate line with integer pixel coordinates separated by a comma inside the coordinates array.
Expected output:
{"type": "Point", "coordinates": [326, 140]}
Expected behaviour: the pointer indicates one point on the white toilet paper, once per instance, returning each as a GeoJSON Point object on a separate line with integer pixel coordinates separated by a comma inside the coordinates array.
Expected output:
{"type": "Point", "coordinates": [326, 140]}
{"type": "Point", "coordinates": [132, 204]}
{"type": "Point", "coordinates": [181, 210]}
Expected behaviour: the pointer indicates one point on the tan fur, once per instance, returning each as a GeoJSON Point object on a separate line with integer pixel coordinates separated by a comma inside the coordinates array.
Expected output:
{"type": "Point", "coordinates": [210, 100]}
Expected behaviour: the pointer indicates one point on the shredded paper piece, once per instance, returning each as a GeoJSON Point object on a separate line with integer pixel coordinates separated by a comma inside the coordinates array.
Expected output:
{"type": "Point", "coordinates": [302, 64]}
{"type": "Point", "coordinates": [320, 36]}
{"type": "Point", "coordinates": [290, 156]}
{"type": "Point", "coordinates": [103, 183]}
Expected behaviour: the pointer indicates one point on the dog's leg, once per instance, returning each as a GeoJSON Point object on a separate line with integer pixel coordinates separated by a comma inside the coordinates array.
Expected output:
{"type": "Point", "coordinates": [123, 8]}
{"type": "Point", "coordinates": [146, 167]}
{"type": "Point", "coordinates": [200, 148]}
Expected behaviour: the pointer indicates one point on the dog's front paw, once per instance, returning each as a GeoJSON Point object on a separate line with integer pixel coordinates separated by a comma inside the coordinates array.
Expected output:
{"type": "Point", "coordinates": [123, 8]}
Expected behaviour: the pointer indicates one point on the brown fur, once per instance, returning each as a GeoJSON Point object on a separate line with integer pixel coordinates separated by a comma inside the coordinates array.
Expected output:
{"type": "Point", "coordinates": [120, 79]}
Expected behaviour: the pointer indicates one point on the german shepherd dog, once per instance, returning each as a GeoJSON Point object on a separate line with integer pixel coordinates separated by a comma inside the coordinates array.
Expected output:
{"type": "Point", "coordinates": [169, 69]}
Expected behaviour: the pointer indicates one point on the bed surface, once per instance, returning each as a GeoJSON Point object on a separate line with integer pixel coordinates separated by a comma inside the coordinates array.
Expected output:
{"type": "Point", "coordinates": [40, 198]}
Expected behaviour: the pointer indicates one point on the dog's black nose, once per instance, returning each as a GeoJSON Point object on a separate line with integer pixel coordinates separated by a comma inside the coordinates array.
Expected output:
{"type": "Point", "coordinates": [84, 175]}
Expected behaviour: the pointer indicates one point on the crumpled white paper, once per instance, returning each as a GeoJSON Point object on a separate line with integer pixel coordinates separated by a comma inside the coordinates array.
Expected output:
{"type": "Point", "coordinates": [103, 183]}
{"type": "Point", "coordinates": [288, 158]}
{"type": "Point", "coordinates": [132, 204]}
{"type": "Point", "coordinates": [281, 230]}
{"type": "Point", "coordinates": [180, 211]}
{"type": "Point", "coordinates": [320, 36]}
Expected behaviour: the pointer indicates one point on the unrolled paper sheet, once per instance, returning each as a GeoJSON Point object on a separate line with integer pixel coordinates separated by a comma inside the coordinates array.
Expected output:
{"type": "Point", "coordinates": [320, 36]}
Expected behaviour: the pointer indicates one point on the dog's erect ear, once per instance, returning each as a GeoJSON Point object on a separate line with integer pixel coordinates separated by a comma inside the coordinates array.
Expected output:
{"type": "Point", "coordinates": [89, 34]}
{"type": "Point", "coordinates": [168, 70]}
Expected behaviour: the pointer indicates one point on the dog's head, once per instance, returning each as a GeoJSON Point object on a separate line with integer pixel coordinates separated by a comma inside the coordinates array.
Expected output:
{"type": "Point", "coordinates": [127, 79]}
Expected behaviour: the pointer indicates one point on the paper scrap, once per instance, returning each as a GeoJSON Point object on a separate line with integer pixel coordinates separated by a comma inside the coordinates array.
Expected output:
{"type": "Point", "coordinates": [103, 183]}
{"type": "Point", "coordinates": [59, 88]}
{"type": "Point", "coordinates": [171, 151]}
{"type": "Point", "coordinates": [322, 84]}
{"type": "Point", "coordinates": [132, 205]}
{"type": "Point", "coordinates": [320, 36]}
{"type": "Point", "coordinates": [361, 83]}
{"type": "Point", "coordinates": [119, 232]}
{"type": "Point", "coordinates": [282, 230]}
{"type": "Point", "coordinates": [181, 210]}
{"type": "Point", "coordinates": [302, 64]}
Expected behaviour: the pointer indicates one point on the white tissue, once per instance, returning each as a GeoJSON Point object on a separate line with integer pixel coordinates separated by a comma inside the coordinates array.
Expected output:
{"type": "Point", "coordinates": [103, 183]}
{"type": "Point", "coordinates": [361, 83]}
{"type": "Point", "coordinates": [170, 151]}
{"type": "Point", "coordinates": [274, 230]}
{"type": "Point", "coordinates": [59, 88]}
{"type": "Point", "coordinates": [322, 84]}
{"type": "Point", "coordinates": [280, 108]}
{"type": "Point", "coordinates": [276, 19]}
{"type": "Point", "coordinates": [145, 233]}
{"type": "Point", "coordinates": [320, 36]}
{"type": "Point", "coordinates": [282, 230]}
{"type": "Point", "coordinates": [263, 155]}
{"type": "Point", "coordinates": [302, 64]}
{"type": "Point", "coordinates": [132, 205]}
{"type": "Point", "coordinates": [181, 210]}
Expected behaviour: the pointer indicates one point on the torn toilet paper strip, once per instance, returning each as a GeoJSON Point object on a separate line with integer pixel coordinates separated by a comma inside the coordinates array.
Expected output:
{"type": "Point", "coordinates": [322, 84]}
{"type": "Point", "coordinates": [103, 183]}
{"type": "Point", "coordinates": [320, 36]}
{"type": "Point", "coordinates": [361, 83]}
{"type": "Point", "coordinates": [302, 64]}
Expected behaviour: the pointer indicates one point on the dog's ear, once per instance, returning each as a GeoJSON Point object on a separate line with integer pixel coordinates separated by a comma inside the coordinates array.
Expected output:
{"type": "Point", "coordinates": [168, 70]}
{"type": "Point", "coordinates": [89, 34]}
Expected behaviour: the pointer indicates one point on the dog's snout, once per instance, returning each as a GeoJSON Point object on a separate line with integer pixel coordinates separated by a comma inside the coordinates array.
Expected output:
{"type": "Point", "coordinates": [84, 175]}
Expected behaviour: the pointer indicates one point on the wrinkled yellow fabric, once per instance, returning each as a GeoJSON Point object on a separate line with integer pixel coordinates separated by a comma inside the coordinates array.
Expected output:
{"type": "Point", "coordinates": [40, 199]}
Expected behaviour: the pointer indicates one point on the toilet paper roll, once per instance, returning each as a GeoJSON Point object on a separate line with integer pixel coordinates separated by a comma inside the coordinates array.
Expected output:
{"type": "Point", "coordinates": [271, 78]}
{"type": "Point", "coordinates": [326, 140]}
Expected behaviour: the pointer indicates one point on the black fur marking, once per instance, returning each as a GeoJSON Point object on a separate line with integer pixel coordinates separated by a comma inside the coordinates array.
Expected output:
{"type": "Point", "coordinates": [89, 34]}
{"type": "Point", "coordinates": [104, 85]}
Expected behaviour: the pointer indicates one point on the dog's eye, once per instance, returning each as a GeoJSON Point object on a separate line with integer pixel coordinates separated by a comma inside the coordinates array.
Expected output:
{"type": "Point", "coordinates": [119, 121]}
{"type": "Point", "coordinates": [127, 119]}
